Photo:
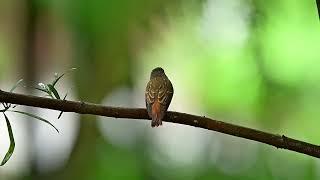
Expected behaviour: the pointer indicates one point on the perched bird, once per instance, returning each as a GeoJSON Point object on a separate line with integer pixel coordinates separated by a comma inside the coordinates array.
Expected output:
{"type": "Point", "coordinates": [158, 96]}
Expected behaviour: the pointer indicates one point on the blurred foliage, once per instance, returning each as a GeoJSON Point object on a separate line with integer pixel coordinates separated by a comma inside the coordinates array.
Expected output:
{"type": "Point", "coordinates": [265, 73]}
{"type": "Point", "coordinates": [8, 107]}
{"type": "Point", "coordinates": [250, 62]}
{"type": "Point", "coordinates": [101, 30]}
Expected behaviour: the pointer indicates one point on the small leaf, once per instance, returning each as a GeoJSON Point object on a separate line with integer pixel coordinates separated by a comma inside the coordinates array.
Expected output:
{"type": "Point", "coordinates": [36, 117]}
{"type": "Point", "coordinates": [54, 91]}
{"type": "Point", "coordinates": [12, 143]}
{"type": "Point", "coordinates": [16, 85]}
{"type": "Point", "coordinates": [46, 90]}
{"type": "Point", "coordinates": [64, 98]}
{"type": "Point", "coordinates": [57, 79]}
{"type": "Point", "coordinates": [4, 104]}
{"type": "Point", "coordinates": [60, 115]}
{"type": "Point", "coordinates": [40, 89]}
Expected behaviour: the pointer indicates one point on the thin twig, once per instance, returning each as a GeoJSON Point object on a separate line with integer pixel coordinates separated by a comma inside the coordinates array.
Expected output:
{"type": "Point", "coordinates": [175, 117]}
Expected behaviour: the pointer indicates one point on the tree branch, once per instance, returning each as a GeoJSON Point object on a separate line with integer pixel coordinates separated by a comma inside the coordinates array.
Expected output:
{"type": "Point", "coordinates": [175, 117]}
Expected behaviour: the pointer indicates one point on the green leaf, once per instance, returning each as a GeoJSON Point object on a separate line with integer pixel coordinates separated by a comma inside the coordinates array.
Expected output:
{"type": "Point", "coordinates": [36, 117]}
{"type": "Point", "coordinates": [54, 91]}
{"type": "Point", "coordinates": [60, 115]}
{"type": "Point", "coordinates": [4, 104]}
{"type": "Point", "coordinates": [57, 79]}
{"type": "Point", "coordinates": [46, 90]}
{"type": "Point", "coordinates": [64, 98]}
{"type": "Point", "coordinates": [16, 85]}
{"type": "Point", "coordinates": [40, 89]}
{"type": "Point", "coordinates": [12, 143]}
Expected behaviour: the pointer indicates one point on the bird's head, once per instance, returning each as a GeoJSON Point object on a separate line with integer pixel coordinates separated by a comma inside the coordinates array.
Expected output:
{"type": "Point", "coordinates": [156, 72]}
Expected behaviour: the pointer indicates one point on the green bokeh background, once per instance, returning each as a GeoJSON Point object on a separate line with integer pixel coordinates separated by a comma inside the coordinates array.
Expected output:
{"type": "Point", "coordinates": [252, 63]}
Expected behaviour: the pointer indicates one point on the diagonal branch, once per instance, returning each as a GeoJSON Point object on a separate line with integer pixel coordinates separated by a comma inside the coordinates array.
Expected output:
{"type": "Point", "coordinates": [175, 117]}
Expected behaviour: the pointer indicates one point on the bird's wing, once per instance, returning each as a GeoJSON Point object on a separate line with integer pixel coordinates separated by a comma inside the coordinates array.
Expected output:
{"type": "Point", "coordinates": [165, 93]}
{"type": "Point", "coordinates": [149, 97]}
{"type": "Point", "coordinates": [150, 94]}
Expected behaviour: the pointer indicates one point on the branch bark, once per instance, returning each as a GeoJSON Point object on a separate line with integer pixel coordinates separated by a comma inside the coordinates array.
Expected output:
{"type": "Point", "coordinates": [277, 141]}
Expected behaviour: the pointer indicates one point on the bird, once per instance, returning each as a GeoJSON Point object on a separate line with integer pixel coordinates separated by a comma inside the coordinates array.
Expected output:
{"type": "Point", "coordinates": [158, 95]}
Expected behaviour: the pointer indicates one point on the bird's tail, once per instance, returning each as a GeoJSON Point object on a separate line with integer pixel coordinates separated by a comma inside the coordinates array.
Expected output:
{"type": "Point", "coordinates": [156, 120]}
{"type": "Point", "coordinates": [156, 115]}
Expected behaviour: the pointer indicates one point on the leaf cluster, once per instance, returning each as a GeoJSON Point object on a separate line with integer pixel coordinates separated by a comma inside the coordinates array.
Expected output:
{"type": "Point", "coordinates": [50, 91]}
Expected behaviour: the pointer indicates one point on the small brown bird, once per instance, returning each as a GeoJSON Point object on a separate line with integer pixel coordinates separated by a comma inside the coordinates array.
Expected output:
{"type": "Point", "coordinates": [158, 96]}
